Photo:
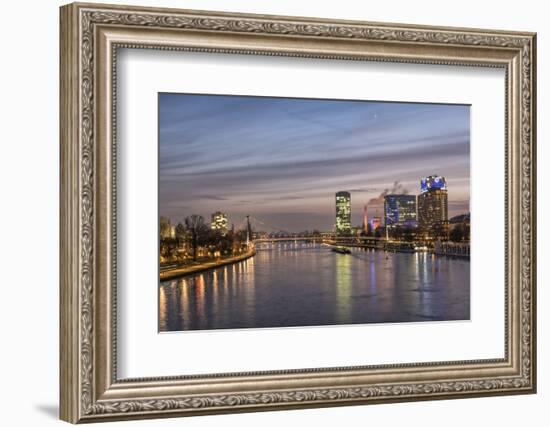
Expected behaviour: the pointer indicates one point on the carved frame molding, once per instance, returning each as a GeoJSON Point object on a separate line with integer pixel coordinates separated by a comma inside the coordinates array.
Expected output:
{"type": "Point", "coordinates": [90, 36]}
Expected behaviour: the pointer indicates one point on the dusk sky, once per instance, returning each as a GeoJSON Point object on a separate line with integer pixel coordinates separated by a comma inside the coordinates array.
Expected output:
{"type": "Point", "coordinates": [281, 160]}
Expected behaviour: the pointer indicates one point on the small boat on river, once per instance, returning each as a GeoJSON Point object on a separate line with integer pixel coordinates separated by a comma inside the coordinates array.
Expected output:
{"type": "Point", "coordinates": [341, 250]}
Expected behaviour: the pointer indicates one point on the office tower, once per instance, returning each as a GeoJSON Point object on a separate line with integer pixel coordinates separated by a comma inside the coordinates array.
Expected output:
{"type": "Point", "coordinates": [343, 213]}
{"type": "Point", "coordinates": [375, 222]}
{"type": "Point", "coordinates": [399, 210]}
{"type": "Point", "coordinates": [219, 222]}
{"type": "Point", "coordinates": [433, 207]}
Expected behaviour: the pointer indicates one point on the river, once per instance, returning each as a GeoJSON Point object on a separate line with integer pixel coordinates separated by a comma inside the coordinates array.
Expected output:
{"type": "Point", "coordinates": [306, 284]}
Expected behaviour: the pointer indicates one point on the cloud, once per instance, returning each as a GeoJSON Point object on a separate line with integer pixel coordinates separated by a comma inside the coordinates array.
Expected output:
{"type": "Point", "coordinates": [362, 190]}
{"type": "Point", "coordinates": [212, 197]}
{"type": "Point", "coordinates": [277, 155]}
{"type": "Point", "coordinates": [397, 188]}
{"type": "Point", "coordinates": [348, 163]}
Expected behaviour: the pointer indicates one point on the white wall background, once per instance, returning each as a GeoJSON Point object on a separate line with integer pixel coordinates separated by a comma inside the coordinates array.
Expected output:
{"type": "Point", "coordinates": [29, 171]}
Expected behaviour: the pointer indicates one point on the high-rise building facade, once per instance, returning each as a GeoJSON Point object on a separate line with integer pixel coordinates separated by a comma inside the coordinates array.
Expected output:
{"type": "Point", "coordinates": [219, 222]}
{"type": "Point", "coordinates": [399, 210]}
{"type": "Point", "coordinates": [433, 182]}
{"type": "Point", "coordinates": [433, 210]}
{"type": "Point", "coordinates": [375, 222]}
{"type": "Point", "coordinates": [343, 213]}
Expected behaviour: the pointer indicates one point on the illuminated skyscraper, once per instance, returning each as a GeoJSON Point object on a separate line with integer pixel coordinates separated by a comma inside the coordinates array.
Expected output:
{"type": "Point", "coordinates": [433, 182]}
{"type": "Point", "coordinates": [375, 223]}
{"type": "Point", "coordinates": [343, 213]}
{"type": "Point", "coordinates": [219, 222]}
{"type": "Point", "coordinates": [399, 210]}
{"type": "Point", "coordinates": [433, 216]}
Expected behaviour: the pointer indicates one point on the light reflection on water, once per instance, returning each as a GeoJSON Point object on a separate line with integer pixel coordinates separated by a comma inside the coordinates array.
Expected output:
{"type": "Point", "coordinates": [301, 284]}
{"type": "Point", "coordinates": [343, 289]}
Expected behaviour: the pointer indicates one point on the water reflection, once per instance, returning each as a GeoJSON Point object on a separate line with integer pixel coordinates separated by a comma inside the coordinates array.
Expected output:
{"type": "Point", "coordinates": [300, 284]}
{"type": "Point", "coordinates": [343, 289]}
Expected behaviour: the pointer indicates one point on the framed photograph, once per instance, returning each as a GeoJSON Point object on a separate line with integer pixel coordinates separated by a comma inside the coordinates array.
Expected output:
{"type": "Point", "coordinates": [266, 212]}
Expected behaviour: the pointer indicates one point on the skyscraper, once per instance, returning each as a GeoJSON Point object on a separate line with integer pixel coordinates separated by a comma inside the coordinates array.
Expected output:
{"type": "Point", "coordinates": [219, 222]}
{"type": "Point", "coordinates": [343, 213]}
{"type": "Point", "coordinates": [375, 223]}
{"type": "Point", "coordinates": [399, 210]}
{"type": "Point", "coordinates": [433, 216]}
{"type": "Point", "coordinates": [365, 219]}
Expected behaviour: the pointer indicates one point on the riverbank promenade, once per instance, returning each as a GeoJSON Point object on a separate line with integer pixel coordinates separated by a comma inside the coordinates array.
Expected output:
{"type": "Point", "coordinates": [185, 270]}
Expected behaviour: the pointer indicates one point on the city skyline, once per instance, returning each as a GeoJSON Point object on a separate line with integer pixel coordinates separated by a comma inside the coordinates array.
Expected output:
{"type": "Point", "coordinates": [282, 160]}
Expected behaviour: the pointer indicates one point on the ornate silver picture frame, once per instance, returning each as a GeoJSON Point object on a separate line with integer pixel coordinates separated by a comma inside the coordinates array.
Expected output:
{"type": "Point", "coordinates": [91, 35]}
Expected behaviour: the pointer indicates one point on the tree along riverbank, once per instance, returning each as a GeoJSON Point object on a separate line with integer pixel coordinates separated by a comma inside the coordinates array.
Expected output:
{"type": "Point", "coordinates": [179, 271]}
